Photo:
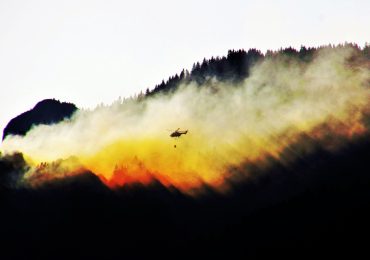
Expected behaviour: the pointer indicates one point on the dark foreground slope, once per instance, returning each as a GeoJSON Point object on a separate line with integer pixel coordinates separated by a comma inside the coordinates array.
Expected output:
{"type": "Point", "coordinates": [317, 206]}
{"type": "Point", "coordinates": [47, 111]}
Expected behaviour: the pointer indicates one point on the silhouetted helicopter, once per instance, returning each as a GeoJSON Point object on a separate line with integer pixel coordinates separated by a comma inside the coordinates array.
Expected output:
{"type": "Point", "coordinates": [178, 133]}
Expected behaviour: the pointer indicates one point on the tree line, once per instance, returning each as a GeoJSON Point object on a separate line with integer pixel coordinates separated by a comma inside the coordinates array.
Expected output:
{"type": "Point", "coordinates": [236, 65]}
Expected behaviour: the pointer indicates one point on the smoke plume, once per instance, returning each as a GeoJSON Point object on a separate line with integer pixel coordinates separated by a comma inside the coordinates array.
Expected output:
{"type": "Point", "coordinates": [229, 124]}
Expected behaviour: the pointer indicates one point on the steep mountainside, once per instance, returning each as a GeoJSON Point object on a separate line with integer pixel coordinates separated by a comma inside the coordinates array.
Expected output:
{"type": "Point", "coordinates": [47, 111]}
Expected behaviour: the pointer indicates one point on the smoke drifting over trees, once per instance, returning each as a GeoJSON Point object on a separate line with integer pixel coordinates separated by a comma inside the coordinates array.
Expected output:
{"type": "Point", "coordinates": [275, 162]}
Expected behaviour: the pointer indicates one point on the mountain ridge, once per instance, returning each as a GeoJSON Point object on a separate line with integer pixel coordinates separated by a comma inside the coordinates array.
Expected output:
{"type": "Point", "coordinates": [47, 111]}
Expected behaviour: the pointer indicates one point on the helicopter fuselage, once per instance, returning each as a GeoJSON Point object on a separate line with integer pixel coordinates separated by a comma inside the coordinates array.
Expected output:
{"type": "Point", "coordinates": [178, 133]}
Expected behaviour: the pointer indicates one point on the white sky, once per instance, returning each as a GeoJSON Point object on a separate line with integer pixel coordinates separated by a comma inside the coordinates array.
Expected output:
{"type": "Point", "coordinates": [93, 51]}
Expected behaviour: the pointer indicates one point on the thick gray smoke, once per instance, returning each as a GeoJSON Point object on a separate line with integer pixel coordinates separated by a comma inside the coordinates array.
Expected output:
{"type": "Point", "coordinates": [228, 124]}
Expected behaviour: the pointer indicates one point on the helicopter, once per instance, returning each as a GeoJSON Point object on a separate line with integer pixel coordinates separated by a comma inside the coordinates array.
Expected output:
{"type": "Point", "coordinates": [178, 133]}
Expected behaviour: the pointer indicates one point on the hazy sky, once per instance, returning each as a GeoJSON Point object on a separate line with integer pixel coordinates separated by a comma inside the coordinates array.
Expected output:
{"type": "Point", "coordinates": [93, 51]}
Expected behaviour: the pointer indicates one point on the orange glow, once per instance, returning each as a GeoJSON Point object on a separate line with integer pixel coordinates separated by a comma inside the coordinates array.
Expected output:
{"type": "Point", "coordinates": [185, 167]}
{"type": "Point", "coordinates": [278, 104]}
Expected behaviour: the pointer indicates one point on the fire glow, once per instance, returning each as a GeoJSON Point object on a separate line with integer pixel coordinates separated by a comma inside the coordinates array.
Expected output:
{"type": "Point", "coordinates": [228, 124]}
